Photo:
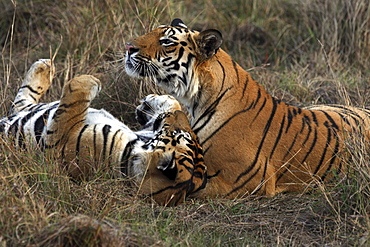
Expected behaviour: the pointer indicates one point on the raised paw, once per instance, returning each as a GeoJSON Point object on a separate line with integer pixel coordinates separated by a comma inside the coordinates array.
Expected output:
{"type": "Point", "coordinates": [81, 88]}
{"type": "Point", "coordinates": [36, 82]}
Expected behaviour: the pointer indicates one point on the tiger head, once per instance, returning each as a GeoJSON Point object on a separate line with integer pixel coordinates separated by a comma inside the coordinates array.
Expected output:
{"type": "Point", "coordinates": [151, 106]}
{"type": "Point", "coordinates": [173, 167]}
{"type": "Point", "coordinates": [171, 56]}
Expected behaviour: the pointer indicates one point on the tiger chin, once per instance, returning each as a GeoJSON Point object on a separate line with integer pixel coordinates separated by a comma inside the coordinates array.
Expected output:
{"type": "Point", "coordinates": [252, 142]}
{"type": "Point", "coordinates": [162, 158]}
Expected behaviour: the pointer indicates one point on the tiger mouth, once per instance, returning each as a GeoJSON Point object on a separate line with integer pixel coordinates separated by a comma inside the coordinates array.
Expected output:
{"type": "Point", "coordinates": [139, 67]}
{"type": "Point", "coordinates": [132, 68]}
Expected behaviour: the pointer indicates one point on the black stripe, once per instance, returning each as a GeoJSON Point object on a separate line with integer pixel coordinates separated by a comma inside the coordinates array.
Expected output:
{"type": "Point", "coordinates": [245, 88]}
{"type": "Point", "coordinates": [277, 140]}
{"type": "Point", "coordinates": [175, 188]}
{"type": "Point", "coordinates": [255, 102]}
{"type": "Point", "coordinates": [94, 142]}
{"type": "Point", "coordinates": [263, 181]}
{"type": "Point", "coordinates": [31, 89]}
{"type": "Point", "coordinates": [305, 121]}
{"type": "Point", "coordinates": [40, 125]}
{"type": "Point", "coordinates": [359, 121]}
{"type": "Point", "coordinates": [67, 136]}
{"type": "Point", "coordinates": [327, 143]}
{"type": "Point", "coordinates": [21, 123]}
{"type": "Point", "coordinates": [333, 123]}
{"type": "Point", "coordinates": [311, 147]}
{"type": "Point", "coordinates": [236, 70]}
{"type": "Point", "coordinates": [345, 119]}
{"type": "Point", "coordinates": [245, 182]}
{"type": "Point", "coordinates": [214, 175]}
{"type": "Point", "coordinates": [365, 110]}
{"type": "Point", "coordinates": [265, 132]}
{"type": "Point", "coordinates": [290, 147]}
{"type": "Point", "coordinates": [290, 120]}
{"type": "Point", "coordinates": [307, 135]}
{"type": "Point", "coordinates": [19, 101]}
{"type": "Point", "coordinates": [204, 180]}
{"type": "Point", "coordinates": [259, 110]}
{"type": "Point", "coordinates": [222, 125]}
{"type": "Point", "coordinates": [304, 159]}
{"type": "Point", "coordinates": [34, 99]}
{"type": "Point", "coordinates": [208, 112]}
{"type": "Point", "coordinates": [106, 130]}
{"type": "Point", "coordinates": [223, 77]}
{"type": "Point", "coordinates": [74, 103]}
{"type": "Point", "coordinates": [126, 156]}
{"type": "Point", "coordinates": [78, 143]}
{"type": "Point", "coordinates": [332, 160]}
{"type": "Point", "coordinates": [314, 118]}
{"type": "Point", "coordinates": [175, 63]}
{"type": "Point", "coordinates": [113, 142]}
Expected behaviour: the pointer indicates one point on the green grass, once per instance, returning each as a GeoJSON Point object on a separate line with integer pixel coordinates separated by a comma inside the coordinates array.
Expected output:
{"type": "Point", "coordinates": [303, 52]}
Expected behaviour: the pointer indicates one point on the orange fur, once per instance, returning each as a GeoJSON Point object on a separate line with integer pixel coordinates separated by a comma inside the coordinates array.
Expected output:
{"type": "Point", "coordinates": [253, 143]}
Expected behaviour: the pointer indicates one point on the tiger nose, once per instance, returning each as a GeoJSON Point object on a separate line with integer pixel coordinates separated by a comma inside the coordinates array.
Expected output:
{"type": "Point", "coordinates": [131, 49]}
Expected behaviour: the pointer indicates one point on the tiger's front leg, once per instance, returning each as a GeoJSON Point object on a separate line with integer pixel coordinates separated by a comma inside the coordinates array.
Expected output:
{"type": "Point", "coordinates": [70, 117]}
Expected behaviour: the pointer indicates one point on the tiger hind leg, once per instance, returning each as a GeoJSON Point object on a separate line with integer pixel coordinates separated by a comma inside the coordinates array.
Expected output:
{"type": "Point", "coordinates": [70, 116]}
{"type": "Point", "coordinates": [36, 82]}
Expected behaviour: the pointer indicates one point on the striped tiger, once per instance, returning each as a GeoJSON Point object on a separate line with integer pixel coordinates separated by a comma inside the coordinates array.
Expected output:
{"type": "Point", "coordinates": [252, 142]}
{"type": "Point", "coordinates": [164, 158]}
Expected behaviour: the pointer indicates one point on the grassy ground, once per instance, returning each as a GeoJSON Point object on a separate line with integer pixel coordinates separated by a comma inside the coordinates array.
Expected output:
{"type": "Point", "coordinates": [303, 52]}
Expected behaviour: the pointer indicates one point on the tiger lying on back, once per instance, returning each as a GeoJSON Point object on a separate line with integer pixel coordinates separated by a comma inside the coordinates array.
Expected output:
{"type": "Point", "coordinates": [164, 157]}
{"type": "Point", "coordinates": [252, 142]}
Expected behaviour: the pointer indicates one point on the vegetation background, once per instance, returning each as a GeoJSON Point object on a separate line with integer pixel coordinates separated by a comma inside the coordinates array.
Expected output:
{"type": "Point", "coordinates": [304, 52]}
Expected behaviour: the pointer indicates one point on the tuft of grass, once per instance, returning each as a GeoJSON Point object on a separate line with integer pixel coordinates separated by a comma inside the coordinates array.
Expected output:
{"type": "Point", "coordinates": [354, 191]}
{"type": "Point", "coordinates": [304, 52]}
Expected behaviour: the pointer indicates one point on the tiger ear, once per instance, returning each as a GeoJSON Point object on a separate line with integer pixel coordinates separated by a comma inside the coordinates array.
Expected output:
{"type": "Point", "coordinates": [209, 41]}
{"type": "Point", "coordinates": [178, 23]}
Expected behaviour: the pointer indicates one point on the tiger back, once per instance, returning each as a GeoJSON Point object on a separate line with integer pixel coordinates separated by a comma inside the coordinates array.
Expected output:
{"type": "Point", "coordinates": [253, 143]}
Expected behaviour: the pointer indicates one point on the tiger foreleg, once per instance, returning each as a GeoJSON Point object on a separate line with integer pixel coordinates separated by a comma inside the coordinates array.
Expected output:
{"type": "Point", "coordinates": [36, 82]}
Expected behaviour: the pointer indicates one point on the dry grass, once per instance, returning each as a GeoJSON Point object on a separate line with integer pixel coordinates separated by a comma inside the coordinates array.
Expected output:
{"type": "Point", "coordinates": [303, 52]}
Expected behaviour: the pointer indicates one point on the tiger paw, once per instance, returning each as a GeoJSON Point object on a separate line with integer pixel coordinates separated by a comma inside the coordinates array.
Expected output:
{"type": "Point", "coordinates": [40, 75]}
{"type": "Point", "coordinates": [81, 88]}
{"type": "Point", "coordinates": [35, 84]}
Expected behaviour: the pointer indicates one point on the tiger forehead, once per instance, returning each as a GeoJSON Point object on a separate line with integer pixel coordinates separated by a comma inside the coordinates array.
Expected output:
{"type": "Point", "coordinates": [169, 31]}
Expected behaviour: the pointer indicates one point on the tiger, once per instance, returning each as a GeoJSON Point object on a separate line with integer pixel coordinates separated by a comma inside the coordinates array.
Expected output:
{"type": "Point", "coordinates": [164, 158]}
{"type": "Point", "coordinates": [253, 143]}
